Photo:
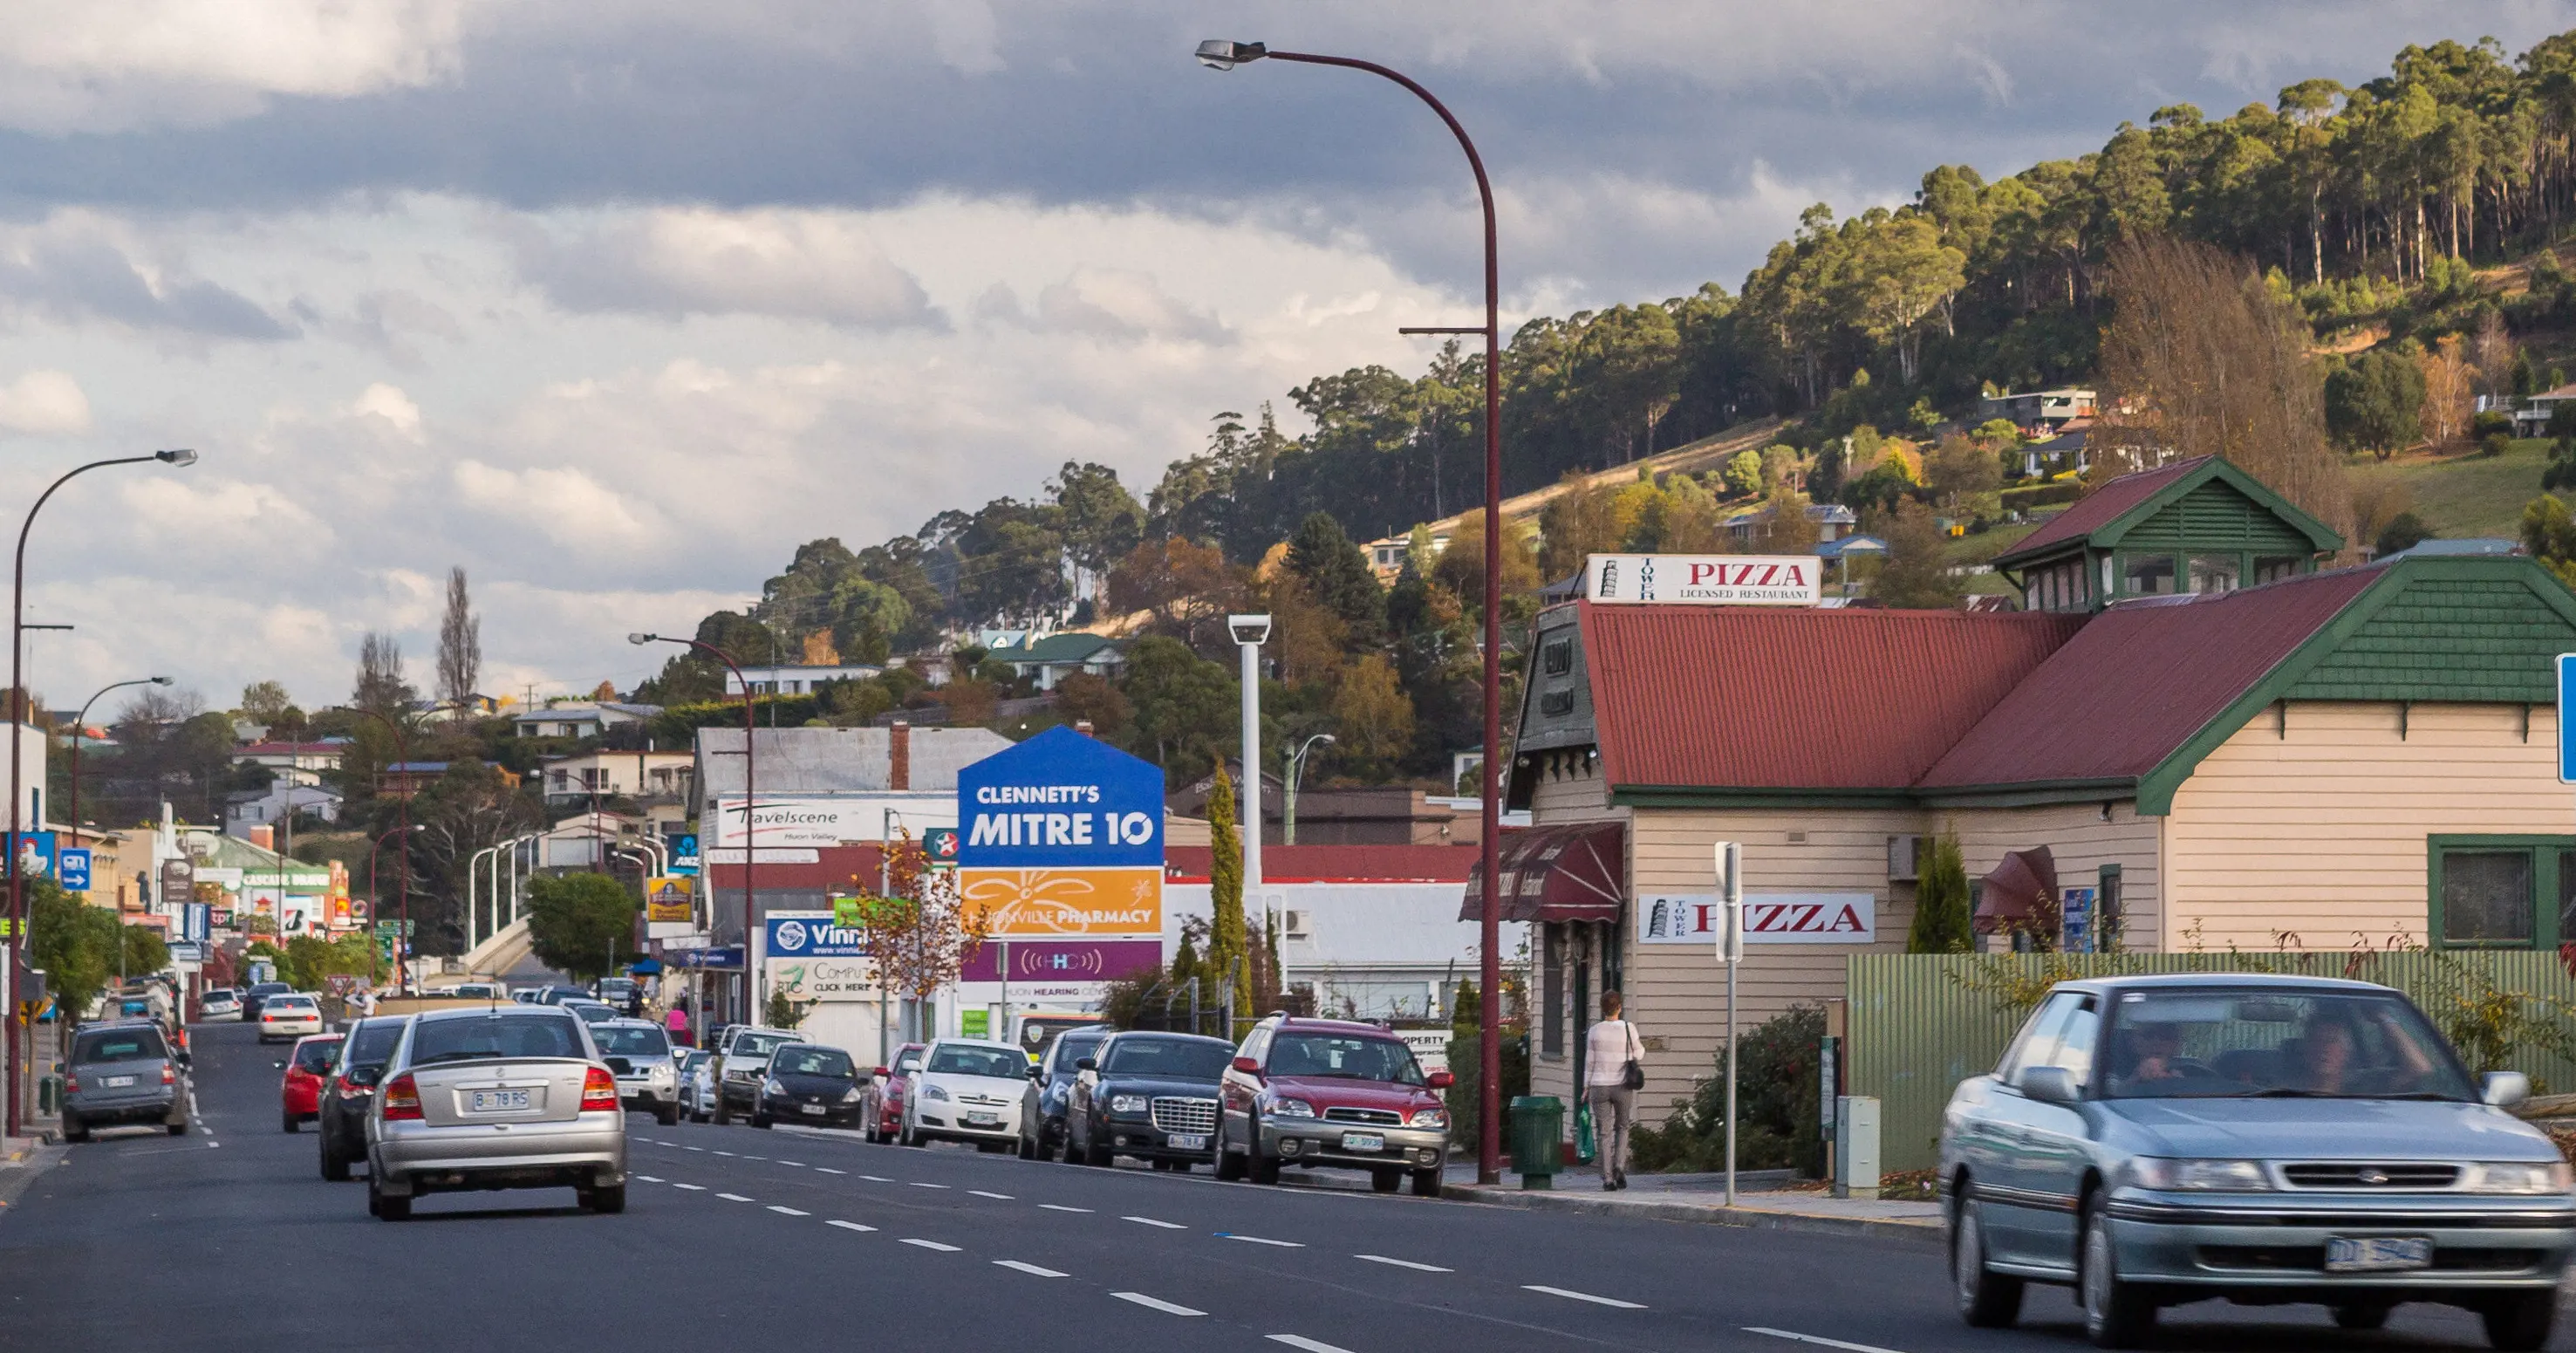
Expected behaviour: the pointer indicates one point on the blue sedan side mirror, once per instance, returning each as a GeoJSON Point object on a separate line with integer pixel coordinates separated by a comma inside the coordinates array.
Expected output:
{"type": "Point", "coordinates": [2504, 1089]}
{"type": "Point", "coordinates": [2049, 1084]}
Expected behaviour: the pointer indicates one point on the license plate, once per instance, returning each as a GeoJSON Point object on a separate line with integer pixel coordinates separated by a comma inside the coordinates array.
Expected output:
{"type": "Point", "coordinates": [1189, 1141]}
{"type": "Point", "coordinates": [814, 1109]}
{"type": "Point", "coordinates": [2377, 1254]}
{"type": "Point", "coordinates": [982, 1119]}
{"type": "Point", "coordinates": [117, 1082]}
{"type": "Point", "coordinates": [1363, 1141]}
{"type": "Point", "coordinates": [499, 1101]}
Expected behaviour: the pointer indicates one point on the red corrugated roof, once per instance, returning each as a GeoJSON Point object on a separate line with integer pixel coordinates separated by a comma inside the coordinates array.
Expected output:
{"type": "Point", "coordinates": [1747, 697]}
{"type": "Point", "coordinates": [2097, 509]}
{"type": "Point", "coordinates": [2140, 680]}
{"type": "Point", "coordinates": [1336, 864]}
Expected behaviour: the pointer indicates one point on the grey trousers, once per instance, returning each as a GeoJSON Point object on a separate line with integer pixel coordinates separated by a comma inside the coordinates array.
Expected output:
{"type": "Point", "coordinates": [1614, 1108]}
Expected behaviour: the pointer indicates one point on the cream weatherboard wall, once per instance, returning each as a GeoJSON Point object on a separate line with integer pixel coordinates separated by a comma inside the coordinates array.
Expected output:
{"type": "Point", "coordinates": [2081, 838]}
{"type": "Point", "coordinates": [2307, 828]}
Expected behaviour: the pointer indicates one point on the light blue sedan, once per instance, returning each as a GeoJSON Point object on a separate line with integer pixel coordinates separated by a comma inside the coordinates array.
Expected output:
{"type": "Point", "coordinates": [2152, 1141]}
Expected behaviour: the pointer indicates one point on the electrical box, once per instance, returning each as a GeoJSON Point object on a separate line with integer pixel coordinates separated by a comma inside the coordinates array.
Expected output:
{"type": "Point", "coordinates": [1856, 1147]}
{"type": "Point", "coordinates": [1904, 859]}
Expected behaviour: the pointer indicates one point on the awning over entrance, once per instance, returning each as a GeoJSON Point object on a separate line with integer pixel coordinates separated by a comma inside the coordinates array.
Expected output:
{"type": "Point", "coordinates": [2017, 889]}
{"type": "Point", "coordinates": [1575, 872]}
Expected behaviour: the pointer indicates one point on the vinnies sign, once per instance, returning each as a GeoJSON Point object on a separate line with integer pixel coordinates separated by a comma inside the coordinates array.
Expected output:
{"type": "Point", "coordinates": [1701, 579]}
{"type": "Point", "coordinates": [1769, 918]}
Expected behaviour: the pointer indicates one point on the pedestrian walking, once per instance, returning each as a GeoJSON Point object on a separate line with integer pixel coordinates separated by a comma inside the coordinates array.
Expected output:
{"type": "Point", "coordinates": [676, 1021]}
{"type": "Point", "coordinates": [1614, 1069]}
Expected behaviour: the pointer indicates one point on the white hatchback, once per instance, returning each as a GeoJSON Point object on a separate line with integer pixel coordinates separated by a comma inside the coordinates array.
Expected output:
{"type": "Point", "coordinates": [967, 1090]}
{"type": "Point", "coordinates": [288, 1015]}
{"type": "Point", "coordinates": [219, 1003]}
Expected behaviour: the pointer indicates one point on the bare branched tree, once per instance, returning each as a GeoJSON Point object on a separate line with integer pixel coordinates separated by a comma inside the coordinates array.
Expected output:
{"type": "Point", "coordinates": [460, 644]}
{"type": "Point", "coordinates": [381, 687]}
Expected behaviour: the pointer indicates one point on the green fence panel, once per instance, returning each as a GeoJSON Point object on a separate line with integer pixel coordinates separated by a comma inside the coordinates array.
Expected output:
{"type": "Point", "coordinates": [1921, 1023]}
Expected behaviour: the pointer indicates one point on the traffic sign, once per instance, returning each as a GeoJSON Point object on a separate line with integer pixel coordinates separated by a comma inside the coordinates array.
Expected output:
{"type": "Point", "coordinates": [940, 845]}
{"type": "Point", "coordinates": [71, 868]}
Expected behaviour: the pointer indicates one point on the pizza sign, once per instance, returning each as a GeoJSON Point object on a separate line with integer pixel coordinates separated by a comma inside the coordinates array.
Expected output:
{"type": "Point", "coordinates": [1769, 918]}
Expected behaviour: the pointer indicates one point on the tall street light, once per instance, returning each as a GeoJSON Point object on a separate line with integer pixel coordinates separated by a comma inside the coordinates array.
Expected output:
{"type": "Point", "coordinates": [750, 793]}
{"type": "Point", "coordinates": [17, 942]}
{"type": "Point", "coordinates": [1220, 54]}
{"type": "Point", "coordinates": [402, 874]}
{"type": "Point", "coordinates": [1250, 633]}
{"type": "Point", "coordinates": [1288, 807]}
{"type": "Point", "coordinates": [402, 940]}
{"type": "Point", "coordinates": [80, 729]}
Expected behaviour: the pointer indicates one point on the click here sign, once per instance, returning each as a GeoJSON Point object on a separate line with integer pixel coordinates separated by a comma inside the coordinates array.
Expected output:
{"type": "Point", "coordinates": [1769, 918]}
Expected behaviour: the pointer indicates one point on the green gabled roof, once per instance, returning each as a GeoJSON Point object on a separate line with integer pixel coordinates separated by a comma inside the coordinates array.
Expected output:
{"type": "Point", "coordinates": [2204, 502]}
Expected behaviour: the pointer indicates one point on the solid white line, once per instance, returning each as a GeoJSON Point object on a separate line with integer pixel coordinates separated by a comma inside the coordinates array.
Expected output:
{"type": "Point", "coordinates": [1059, 1207]}
{"type": "Point", "coordinates": [980, 1193]}
{"type": "Point", "coordinates": [1165, 1307]}
{"type": "Point", "coordinates": [1817, 1339]}
{"type": "Point", "coordinates": [1581, 1296]}
{"type": "Point", "coordinates": [1262, 1240]}
{"type": "Point", "coordinates": [1149, 1221]}
{"type": "Point", "coordinates": [1031, 1269]}
{"type": "Point", "coordinates": [849, 1226]}
{"type": "Point", "coordinates": [735, 1198]}
{"type": "Point", "coordinates": [649, 1179]}
{"type": "Point", "coordinates": [932, 1245]}
{"type": "Point", "coordinates": [788, 1211]}
{"type": "Point", "coordinates": [1310, 1345]}
{"type": "Point", "coordinates": [1404, 1263]}
{"type": "Point", "coordinates": [693, 1188]}
{"type": "Point", "coordinates": [919, 1185]}
{"type": "Point", "coordinates": [826, 1169]}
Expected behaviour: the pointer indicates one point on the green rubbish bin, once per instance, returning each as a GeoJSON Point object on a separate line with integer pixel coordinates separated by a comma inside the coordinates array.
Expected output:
{"type": "Point", "coordinates": [49, 1094]}
{"type": "Point", "coordinates": [1537, 1127]}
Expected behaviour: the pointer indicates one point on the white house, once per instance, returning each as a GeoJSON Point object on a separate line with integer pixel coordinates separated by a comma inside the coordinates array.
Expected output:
{"type": "Point", "coordinates": [579, 718]}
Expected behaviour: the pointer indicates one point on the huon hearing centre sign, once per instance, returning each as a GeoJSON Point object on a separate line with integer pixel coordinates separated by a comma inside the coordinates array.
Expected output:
{"type": "Point", "coordinates": [1062, 835]}
{"type": "Point", "coordinates": [1701, 579]}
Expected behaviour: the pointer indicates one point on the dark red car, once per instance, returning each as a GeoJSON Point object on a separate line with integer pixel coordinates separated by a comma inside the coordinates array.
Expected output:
{"type": "Point", "coordinates": [881, 1115]}
{"type": "Point", "coordinates": [306, 1068]}
{"type": "Point", "coordinates": [1334, 1094]}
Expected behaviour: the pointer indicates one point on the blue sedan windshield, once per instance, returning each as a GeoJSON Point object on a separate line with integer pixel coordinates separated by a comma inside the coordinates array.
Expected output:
{"type": "Point", "coordinates": [2298, 1044]}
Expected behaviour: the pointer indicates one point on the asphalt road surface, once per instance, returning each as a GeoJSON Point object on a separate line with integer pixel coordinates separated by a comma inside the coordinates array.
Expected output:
{"type": "Point", "coordinates": [228, 1238]}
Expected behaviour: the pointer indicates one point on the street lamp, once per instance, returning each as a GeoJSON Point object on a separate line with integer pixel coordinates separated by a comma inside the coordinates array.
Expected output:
{"type": "Point", "coordinates": [402, 877]}
{"type": "Point", "coordinates": [750, 791]}
{"type": "Point", "coordinates": [17, 939]}
{"type": "Point", "coordinates": [1288, 808]}
{"type": "Point", "coordinates": [402, 937]}
{"type": "Point", "coordinates": [1221, 54]}
{"type": "Point", "coordinates": [80, 729]}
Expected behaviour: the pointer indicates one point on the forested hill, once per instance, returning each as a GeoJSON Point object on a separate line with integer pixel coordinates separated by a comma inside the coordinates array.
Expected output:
{"type": "Point", "coordinates": [2369, 205]}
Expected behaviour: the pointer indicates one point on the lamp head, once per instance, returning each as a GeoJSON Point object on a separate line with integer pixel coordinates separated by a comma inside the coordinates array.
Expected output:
{"type": "Point", "coordinates": [1326, 738]}
{"type": "Point", "coordinates": [1249, 629]}
{"type": "Point", "coordinates": [182, 456]}
{"type": "Point", "coordinates": [160, 681]}
{"type": "Point", "coordinates": [640, 638]}
{"type": "Point", "coordinates": [1222, 54]}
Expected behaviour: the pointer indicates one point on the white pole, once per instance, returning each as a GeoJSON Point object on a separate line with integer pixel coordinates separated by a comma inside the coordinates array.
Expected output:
{"type": "Point", "coordinates": [1251, 774]}
{"type": "Point", "coordinates": [1730, 951]}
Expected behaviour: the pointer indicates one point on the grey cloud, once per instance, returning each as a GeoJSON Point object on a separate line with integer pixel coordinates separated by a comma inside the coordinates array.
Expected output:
{"type": "Point", "coordinates": [73, 272]}
{"type": "Point", "coordinates": [675, 262]}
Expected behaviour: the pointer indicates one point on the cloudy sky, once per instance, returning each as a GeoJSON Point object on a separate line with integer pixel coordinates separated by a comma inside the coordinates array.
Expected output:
{"type": "Point", "coordinates": [614, 302]}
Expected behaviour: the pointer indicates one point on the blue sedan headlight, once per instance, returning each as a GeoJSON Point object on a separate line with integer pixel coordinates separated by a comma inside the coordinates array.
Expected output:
{"type": "Point", "coordinates": [2520, 1177]}
{"type": "Point", "coordinates": [2217, 1176]}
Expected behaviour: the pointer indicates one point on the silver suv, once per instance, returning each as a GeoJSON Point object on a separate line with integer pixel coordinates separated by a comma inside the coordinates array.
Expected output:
{"type": "Point", "coordinates": [509, 1097]}
{"type": "Point", "coordinates": [123, 1072]}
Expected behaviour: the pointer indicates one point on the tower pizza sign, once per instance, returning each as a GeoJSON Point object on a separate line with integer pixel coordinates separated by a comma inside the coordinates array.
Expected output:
{"type": "Point", "coordinates": [1701, 579]}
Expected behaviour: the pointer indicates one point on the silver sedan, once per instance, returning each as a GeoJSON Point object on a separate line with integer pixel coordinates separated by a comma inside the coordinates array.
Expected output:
{"type": "Point", "coordinates": [513, 1097]}
{"type": "Point", "coordinates": [2158, 1140]}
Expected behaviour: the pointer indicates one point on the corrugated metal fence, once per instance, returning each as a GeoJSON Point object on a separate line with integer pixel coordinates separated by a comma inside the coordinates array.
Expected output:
{"type": "Point", "coordinates": [1921, 1023]}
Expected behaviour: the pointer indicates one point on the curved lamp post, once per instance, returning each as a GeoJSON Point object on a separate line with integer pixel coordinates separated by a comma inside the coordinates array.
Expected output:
{"type": "Point", "coordinates": [1220, 54]}
{"type": "Point", "coordinates": [1296, 765]}
{"type": "Point", "coordinates": [402, 874]}
{"type": "Point", "coordinates": [17, 941]}
{"type": "Point", "coordinates": [80, 729]}
{"type": "Point", "coordinates": [750, 793]}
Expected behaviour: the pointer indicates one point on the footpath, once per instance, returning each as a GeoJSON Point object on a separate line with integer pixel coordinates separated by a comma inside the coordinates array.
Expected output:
{"type": "Point", "coordinates": [1761, 1202]}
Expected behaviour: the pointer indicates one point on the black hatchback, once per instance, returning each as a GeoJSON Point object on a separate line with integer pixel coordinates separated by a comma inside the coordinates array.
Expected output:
{"type": "Point", "coordinates": [349, 1090]}
{"type": "Point", "coordinates": [808, 1083]}
{"type": "Point", "coordinates": [1148, 1095]}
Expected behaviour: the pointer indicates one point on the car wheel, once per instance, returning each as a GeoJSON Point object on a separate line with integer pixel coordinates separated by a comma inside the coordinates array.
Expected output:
{"type": "Point", "coordinates": [2116, 1313]}
{"type": "Point", "coordinates": [1385, 1179]}
{"type": "Point", "coordinates": [667, 1115]}
{"type": "Point", "coordinates": [292, 1122]}
{"type": "Point", "coordinates": [2520, 1321]}
{"type": "Point", "coordinates": [74, 1130]}
{"type": "Point", "coordinates": [2360, 1315]}
{"type": "Point", "coordinates": [1096, 1150]}
{"type": "Point", "coordinates": [760, 1120]}
{"type": "Point", "coordinates": [386, 1206]}
{"type": "Point", "coordinates": [1262, 1169]}
{"type": "Point", "coordinates": [180, 1128]}
{"type": "Point", "coordinates": [724, 1113]}
{"type": "Point", "coordinates": [607, 1201]}
{"type": "Point", "coordinates": [1986, 1299]}
{"type": "Point", "coordinates": [335, 1167]}
{"type": "Point", "coordinates": [1028, 1147]}
{"type": "Point", "coordinates": [1229, 1166]}
{"type": "Point", "coordinates": [1426, 1183]}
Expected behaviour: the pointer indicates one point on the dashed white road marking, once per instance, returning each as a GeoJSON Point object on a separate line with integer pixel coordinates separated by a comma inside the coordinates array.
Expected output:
{"type": "Point", "coordinates": [1262, 1240]}
{"type": "Point", "coordinates": [724, 1153]}
{"type": "Point", "coordinates": [788, 1211]}
{"type": "Point", "coordinates": [649, 1179]}
{"type": "Point", "coordinates": [1310, 1345]}
{"type": "Point", "coordinates": [1031, 1269]}
{"type": "Point", "coordinates": [1404, 1263]}
{"type": "Point", "coordinates": [826, 1169]}
{"type": "Point", "coordinates": [876, 1179]}
{"type": "Point", "coordinates": [797, 1163]}
{"type": "Point", "coordinates": [919, 1185]}
{"type": "Point", "coordinates": [1149, 1221]}
{"type": "Point", "coordinates": [693, 1148]}
{"type": "Point", "coordinates": [1817, 1339]}
{"type": "Point", "coordinates": [1155, 1303]}
{"type": "Point", "coordinates": [931, 1245]}
{"type": "Point", "coordinates": [984, 1193]}
{"type": "Point", "coordinates": [848, 1225]}
{"type": "Point", "coordinates": [736, 1198]}
{"type": "Point", "coordinates": [1059, 1207]}
{"type": "Point", "coordinates": [1572, 1295]}
{"type": "Point", "coordinates": [693, 1188]}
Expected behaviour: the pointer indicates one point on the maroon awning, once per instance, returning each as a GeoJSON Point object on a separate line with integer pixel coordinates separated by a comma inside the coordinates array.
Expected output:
{"type": "Point", "coordinates": [2016, 888]}
{"type": "Point", "coordinates": [1576, 872]}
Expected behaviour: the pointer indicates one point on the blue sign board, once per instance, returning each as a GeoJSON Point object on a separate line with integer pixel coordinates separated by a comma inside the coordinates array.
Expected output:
{"type": "Point", "coordinates": [2566, 742]}
{"type": "Point", "coordinates": [684, 852]}
{"type": "Point", "coordinates": [810, 937]}
{"type": "Point", "coordinates": [727, 957]}
{"type": "Point", "coordinates": [39, 846]}
{"type": "Point", "coordinates": [194, 920]}
{"type": "Point", "coordinates": [71, 868]}
{"type": "Point", "coordinates": [1061, 800]}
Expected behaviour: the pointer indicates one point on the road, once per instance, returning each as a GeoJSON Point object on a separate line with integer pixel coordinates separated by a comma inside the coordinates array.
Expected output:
{"type": "Point", "coordinates": [229, 1238]}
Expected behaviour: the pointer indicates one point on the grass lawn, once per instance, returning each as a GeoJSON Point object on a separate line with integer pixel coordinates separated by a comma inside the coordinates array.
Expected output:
{"type": "Point", "coordinates": [2467, 495]}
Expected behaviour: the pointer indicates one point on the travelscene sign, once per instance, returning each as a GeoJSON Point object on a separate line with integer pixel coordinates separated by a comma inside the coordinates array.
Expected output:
{"type": "Point", "coordinates": [1702, 579]}
{"type": "Point", "coordinates": [1769, 918]}
{"type": "Point", "coordinates": [1062, 836]}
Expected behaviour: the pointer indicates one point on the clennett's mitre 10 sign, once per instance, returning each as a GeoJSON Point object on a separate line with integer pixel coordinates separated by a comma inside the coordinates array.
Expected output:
{"type": "Point", "coordinates": [1062, 836]}
{"type": "Point", "coordinates": [1702, 579]}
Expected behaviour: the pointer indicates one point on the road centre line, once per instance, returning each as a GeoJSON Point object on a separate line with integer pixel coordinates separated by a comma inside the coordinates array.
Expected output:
{"type": "Point", "coordinates": [724, 1153]}
{"type": "Point", "coordinates": [736, 1198]}
{"type": "Point", "coordinates": [650, 1179]}
{"type": "Point", "coordinates": [849, 1225]}
{"type": "Point", "coordinates": [983, 1193]}
{"type": "Point", "coordinates": [826, 1169]}
{"type": "Point", "coordinates": [788, 1211]}
{"type": "Point", "coordinates": [1816, 1339]}
{"type": "Point", "coordinates": [693, 1148]}
{"type": "Point", "coordinates": [796, 1163]}
{"type": "Point", "coordinates": [1262, 1240]}
{"type": "Point", "coordinates": [931, 1245]}
{"type": "Point", "coordinates": [1059, 1207]}
{"type": "Point", "coordinates": [1404, 1263]}
{"type": "Point", "coordinates": [1152, 1303]}
{"type": "Point", "coordinates": [876, 1179]}
{"type": "Point", "coordinates": [1031, 1269]}
{"type": "Point", "coordinates": [1310, 1345]}
{"type": "Point", "coordinates": [919, 1185]}
{"type": "Point", "coordinates": [693, 1188]}
{"type": "Point", "coordinates": [1573, 1295]}
{"type": "Point", "coordinates": [755, 1158]}
{"type": "Point", "coordinates": [1149, 1221]}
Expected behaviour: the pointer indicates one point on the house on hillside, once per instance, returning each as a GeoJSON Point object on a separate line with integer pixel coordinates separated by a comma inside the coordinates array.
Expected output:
{"type": "Point", "coordinates": [580, 718]}
{"type": "Point", "coordinates": [1386, 554]}
{"type": "Point", "coordinates": [2194, 526]}
{"type": "Point", "coordinates": [2037, 410]}
{"type": "Point", "coordinates": [1050, 658]}
{"type": "Point", "coordinates": [295, 763]}
{"type": "Point", "coordinates": [798, 678]}
{"type": "Point", "coordinates": [1833, 522]}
